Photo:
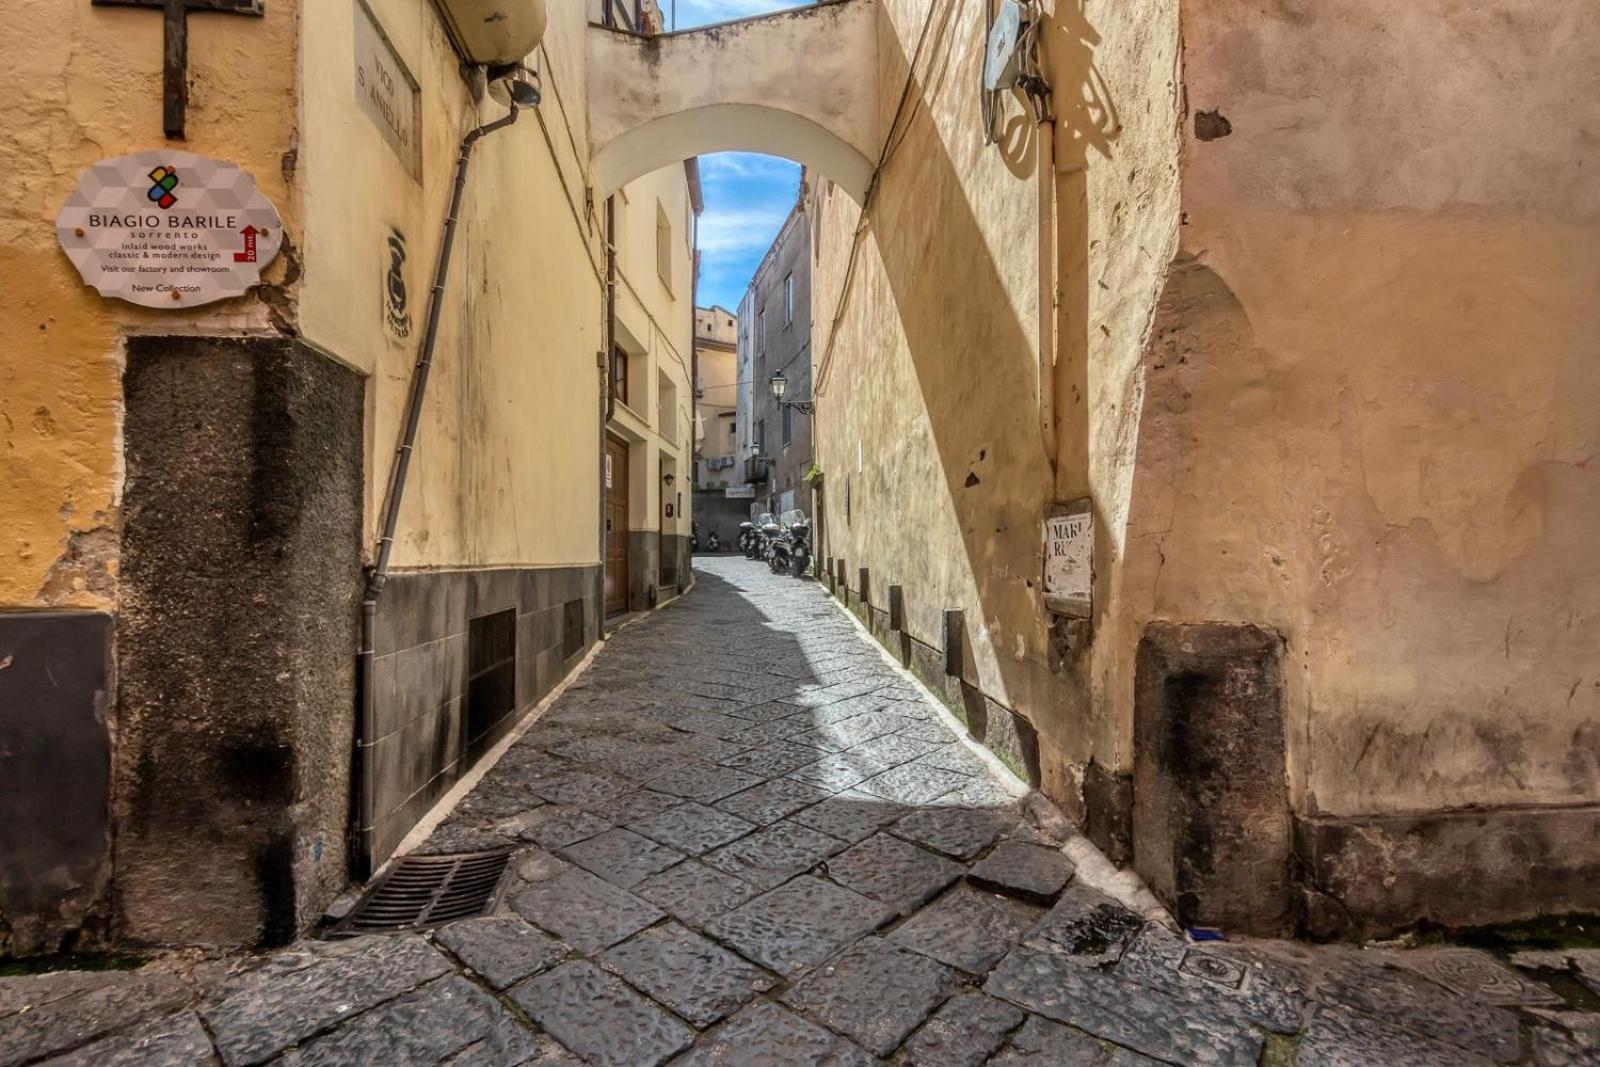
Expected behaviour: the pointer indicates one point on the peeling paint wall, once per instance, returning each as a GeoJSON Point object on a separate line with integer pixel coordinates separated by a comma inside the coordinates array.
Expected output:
{"type": "Point", "coordinates": [83, 84]}
{"type": "Point", "coordinates": [1370, 409]}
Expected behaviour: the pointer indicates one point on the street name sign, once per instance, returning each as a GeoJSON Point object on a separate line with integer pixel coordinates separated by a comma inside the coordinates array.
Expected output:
{"type": "Point", "coordinates": [168, 229]}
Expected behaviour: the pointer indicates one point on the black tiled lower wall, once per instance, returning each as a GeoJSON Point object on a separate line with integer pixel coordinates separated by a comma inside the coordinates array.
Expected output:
{"type": "Point", "coordinates": [423, 665]}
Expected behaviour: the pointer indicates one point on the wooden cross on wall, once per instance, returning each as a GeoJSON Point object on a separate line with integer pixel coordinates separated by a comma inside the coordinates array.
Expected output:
{"type": "Point", "coordinates": [175, 64]}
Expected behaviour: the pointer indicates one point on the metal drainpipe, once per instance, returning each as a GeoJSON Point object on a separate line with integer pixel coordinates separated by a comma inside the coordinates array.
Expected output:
{"type": "Point", "coordinates": [379, 573]}
{"type": "Point", "coordinates": [608, 314]}
{"type": "Point", "coordinates": [1048, 432]}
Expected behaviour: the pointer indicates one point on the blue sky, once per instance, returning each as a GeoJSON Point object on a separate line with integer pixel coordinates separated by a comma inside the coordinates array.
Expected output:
{"type": "Point", "coordinates": [747, 196]}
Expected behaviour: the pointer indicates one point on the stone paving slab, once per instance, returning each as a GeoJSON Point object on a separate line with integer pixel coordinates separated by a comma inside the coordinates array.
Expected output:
{"type": "Point", "coordinates": [893, 871]}
{"type": "Point", "coordinates": [1378, 988]}
{"type": "Point", "coordinates": [1036, 873]}
{"type": "Point", "coordinates": [1183, 1027]}
{"type": "Point", "coordinates": [692, 828]}
{"type": "Point", "coordinates": [695, 893]}
{"type": "Point", "coordinates": [69, 1012]}
{"type": "Point", "coordinates": [696, 978]}
{"type": "Point", "coordinates": [586, 912]}
{"type": "Point", "coordinates": [292, 997]}
{"type": "Point", "coordinates": [958, 832]}
{"type": "Point", "coordinates": [838, 772]}
{"type": "Point", "coordinates": [850, 816]}
{"type": "Point", "coordinates": [600, 1018]}
{"type": "Point", "coordinates": [1339, 1037]}
{"type": "Point", "coordinates": [770, 801]}
{"type": "Point", "coordinates": [770, 857]}
{"type": "Point", "coordinates": [913, 784]}
{"type": "Point", "coordinates": [434, 1022]}
{"type": "Point", "coordinates": [967, 928]}
{"type": "Point", "coordinates": [705, 782]}
{"type": "Point", "coordinates": [875, 993]}
{"type": "Point", "coordinates": [501, 949]}
{"type": "Point", "coordinates": [767, 1034]}
{"type": "Point", "coordinates": [799, 924]}
{"type": "Point", "coordinates": [176, 1040]}
{"type": "Point", "coordinates": [621, 856]}
{"type": "Point", "coordinates": [964, 1033]}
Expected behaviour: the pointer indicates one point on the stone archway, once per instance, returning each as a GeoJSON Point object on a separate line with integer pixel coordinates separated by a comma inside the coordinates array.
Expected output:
{"type": "Point", "coordinates": [801, 84]}
{"type": "Point", "coordinates": [730, 127]}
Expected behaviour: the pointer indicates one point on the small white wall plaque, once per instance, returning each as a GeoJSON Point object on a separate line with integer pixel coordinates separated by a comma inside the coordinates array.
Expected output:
{"type": "Point", "coordinates": [1069, 559]}
{"type": "Point", "coordinates": [168, 229]}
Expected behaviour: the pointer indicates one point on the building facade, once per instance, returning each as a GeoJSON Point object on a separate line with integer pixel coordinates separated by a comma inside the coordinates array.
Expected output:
{"type": "Point", "coordinates": [776, 328]}
{"type": "Point", "coordinates": [649, 466]}
{"type": "Point", "coordinates": [716, 397]}
{"type": "Point", "coordinates": [195, 498]}
{"type": "Point", "coordinates": [1324, 391]}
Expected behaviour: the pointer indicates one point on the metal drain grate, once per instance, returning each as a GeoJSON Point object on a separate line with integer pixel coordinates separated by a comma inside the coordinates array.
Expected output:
{"type": "Point", "coordinates": [423, 891]}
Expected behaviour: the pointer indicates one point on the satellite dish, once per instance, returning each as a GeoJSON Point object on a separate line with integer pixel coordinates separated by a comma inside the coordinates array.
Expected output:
{"type": "Point", "coordinates": [1000, 65]}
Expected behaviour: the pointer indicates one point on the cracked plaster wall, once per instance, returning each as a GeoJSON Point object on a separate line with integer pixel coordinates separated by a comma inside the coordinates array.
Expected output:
{"type": "Point", "coordinates": [1370, 394]}
{"type": "Point", "coordinates": [83, 83]}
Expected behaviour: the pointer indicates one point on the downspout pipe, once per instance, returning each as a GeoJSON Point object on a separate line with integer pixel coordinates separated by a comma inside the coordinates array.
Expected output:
{"type": "Point", "coordinates": [378, 574]}
{"type": "Point", "coordinates": [1047, 289]}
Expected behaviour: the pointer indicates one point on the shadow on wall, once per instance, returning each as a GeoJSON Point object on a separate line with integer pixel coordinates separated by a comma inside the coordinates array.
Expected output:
{"type": "Point", "coordinates": [959, 316]}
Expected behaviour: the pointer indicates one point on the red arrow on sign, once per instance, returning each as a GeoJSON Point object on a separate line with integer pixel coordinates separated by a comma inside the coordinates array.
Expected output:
{"type": "Point", "coordinates": [249, 253]}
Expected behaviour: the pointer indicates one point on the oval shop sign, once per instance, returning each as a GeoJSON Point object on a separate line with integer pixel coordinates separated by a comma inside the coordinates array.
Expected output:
{"type": "Point", "coordinates": [167, 229]}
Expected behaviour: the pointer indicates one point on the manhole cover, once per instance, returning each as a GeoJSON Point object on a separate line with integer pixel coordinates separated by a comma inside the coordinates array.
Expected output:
{"type": "Point", "coordinates": [423, 891]}
{"type": "Point", "coordinates": [1476, 974]}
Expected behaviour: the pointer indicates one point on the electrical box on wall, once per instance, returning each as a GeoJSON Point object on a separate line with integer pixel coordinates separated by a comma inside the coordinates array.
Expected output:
{"type": "Point", "coordinates": [493, 32]}
{"type": "Point", "coordinates": [1069, 559]}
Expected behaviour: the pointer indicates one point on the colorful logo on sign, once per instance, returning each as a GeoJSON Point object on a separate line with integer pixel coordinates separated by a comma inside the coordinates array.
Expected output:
{"type": "Point", "coordinates": [166, 180]}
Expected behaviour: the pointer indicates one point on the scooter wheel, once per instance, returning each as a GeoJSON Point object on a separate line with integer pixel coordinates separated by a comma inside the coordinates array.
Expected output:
{"type": "Point", "coordinates": [801, 565]}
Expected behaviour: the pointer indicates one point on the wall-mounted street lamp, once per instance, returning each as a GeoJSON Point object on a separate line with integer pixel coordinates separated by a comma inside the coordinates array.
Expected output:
{"type": "Point", "coordinates": [779, 385]}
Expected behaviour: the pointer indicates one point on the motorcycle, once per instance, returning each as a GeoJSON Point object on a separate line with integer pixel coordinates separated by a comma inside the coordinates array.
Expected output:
{"type": "Point", "coordinates": [773, 548]}
{"type": "Point", "coordinates": [713, 542]}
{"type": "Point", "coordinates": [747, 539]}
{"type": "Point", "coordinates": [790, 545]}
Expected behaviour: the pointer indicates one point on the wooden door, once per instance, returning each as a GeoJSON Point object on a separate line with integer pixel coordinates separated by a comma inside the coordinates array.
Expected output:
{"type": "Point", "coordinates": [616, 526]}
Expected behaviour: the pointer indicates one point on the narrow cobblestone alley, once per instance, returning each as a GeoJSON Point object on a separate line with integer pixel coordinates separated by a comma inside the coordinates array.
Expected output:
{"type": "Point", "coordinates": [743, 837]}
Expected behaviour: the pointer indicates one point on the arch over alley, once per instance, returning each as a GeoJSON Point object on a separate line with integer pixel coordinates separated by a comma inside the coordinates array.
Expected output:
{"type": "Point", "coordinates": [801, 84]}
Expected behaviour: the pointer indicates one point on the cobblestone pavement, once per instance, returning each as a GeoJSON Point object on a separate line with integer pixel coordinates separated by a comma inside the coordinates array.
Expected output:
{"type": "Point", "coordinates": [743, 838]}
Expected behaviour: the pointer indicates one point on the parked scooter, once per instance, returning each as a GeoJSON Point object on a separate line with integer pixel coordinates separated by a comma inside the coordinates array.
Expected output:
{"type": "Point", "coordinates": [760, 540]}
{"type": "Point", "coordinates": [713, 542]}
{"type": "Point", "coordinates": [791, 545]}
{"type": "Point", "coordinates": [773, 546]}
{"type": "Point", "coordinates": [747, 539]}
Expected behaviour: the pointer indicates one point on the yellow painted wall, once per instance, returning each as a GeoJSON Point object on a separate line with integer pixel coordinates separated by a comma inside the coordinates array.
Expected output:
{"type": "Point", "coordinates": [83, 83]}
{"type": "Point", "coordinates": [505, 471]}
{"type": "Point", "coordinates": [716, 335]}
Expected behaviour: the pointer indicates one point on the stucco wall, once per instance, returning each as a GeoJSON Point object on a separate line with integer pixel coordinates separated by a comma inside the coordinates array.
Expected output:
{"type": "Point", "coordinates": [83, 83]}
{"type": "Point", "coordinates": [508, 433]}
{"type": "Point", "coordinates": [655, 320]}
{"type": "Point", "coordinates": [1370, 418]}
{"type": "Point", "coordinates": [928, 357]}
{"type": "Point", "coordinates": [659, 99]}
